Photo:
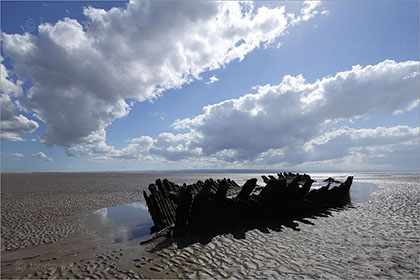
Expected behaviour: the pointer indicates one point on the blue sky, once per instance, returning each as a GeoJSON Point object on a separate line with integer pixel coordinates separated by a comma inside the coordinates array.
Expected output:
{"type": "Point", "coordinates": [376, 129]}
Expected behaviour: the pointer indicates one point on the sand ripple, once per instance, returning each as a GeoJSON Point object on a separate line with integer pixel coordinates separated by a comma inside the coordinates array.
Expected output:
{"type": "Point", "coordinates": [374, 239]}
{"type": "Point", "coordinates": [45, 208]}
{"type": "Point", "coordinates": [377, 239]}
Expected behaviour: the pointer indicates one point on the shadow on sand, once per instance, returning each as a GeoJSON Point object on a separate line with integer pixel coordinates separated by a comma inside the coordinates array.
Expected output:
{"type": "Point", "coordinates": [239, 228]}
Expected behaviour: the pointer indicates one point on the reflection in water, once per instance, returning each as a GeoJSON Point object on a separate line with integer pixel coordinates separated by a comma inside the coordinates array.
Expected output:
{"type": "Point", "coordinates": [132, 222]}
{"type": "Point", "coordinates": [129, 222]}
{"type": "Point", "coordinates": [362, 192]}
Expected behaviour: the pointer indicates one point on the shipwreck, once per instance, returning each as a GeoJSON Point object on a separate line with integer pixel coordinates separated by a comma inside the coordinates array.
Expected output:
{"type": "Point", "coordinates": [223, 203]}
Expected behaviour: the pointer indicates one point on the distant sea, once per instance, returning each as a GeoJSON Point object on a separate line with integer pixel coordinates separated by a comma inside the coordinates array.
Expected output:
{"type": "Point", "coordinates": [363, 184]}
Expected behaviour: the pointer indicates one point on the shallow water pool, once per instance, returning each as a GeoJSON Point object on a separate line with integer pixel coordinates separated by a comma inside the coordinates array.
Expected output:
{"type": "Point", "coordinates": [362, 192]}
{"type": "Point", "coordinates": [123, 223]}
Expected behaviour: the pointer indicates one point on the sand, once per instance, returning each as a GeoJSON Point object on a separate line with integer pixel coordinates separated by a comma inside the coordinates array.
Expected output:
{"type": "Point", "coordinates": [44, 236]}
{"type": "Point", "coordinates": [45, 208]}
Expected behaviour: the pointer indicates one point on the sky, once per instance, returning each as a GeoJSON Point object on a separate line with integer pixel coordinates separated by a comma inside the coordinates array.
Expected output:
{"type": "Point", "coordinates": [154, 85]}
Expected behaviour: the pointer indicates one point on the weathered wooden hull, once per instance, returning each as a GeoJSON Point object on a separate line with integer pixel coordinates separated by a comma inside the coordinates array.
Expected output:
{"type": "Point", "coordinates": [223, 203]}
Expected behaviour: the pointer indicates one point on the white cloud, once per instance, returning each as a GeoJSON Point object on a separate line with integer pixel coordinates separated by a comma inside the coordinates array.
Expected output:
{"type": "Point", "coordinates": [308, 11]}
{"type": "Point", "coordinates": [345, 141]}
{"type": "Point", "coordinates": [176, 147]}
{"type": "Point", "coordinates": [102, 159]}
{"type": "Point", "coordinates": [291, 122]}
{"type": "Point", "coordinates": [212, 79]}
{"type": "Point", "coordinates": [12, 124]}
{"type": "Point", "coordinates": [363, 137]}
{"type": "Point", "coordinates": [396, 153]}
{"type": "Point", "coordinates": [94, 143]}
{"type": "Point", "coordinates": [166, 145]}
{"type": "Point", "coordinates": [137, 146]}
{"type": "Point", "coordinates": [7, 85]}
{"type": "Point", "coordinates": [295, 111]}
{"type": "Point", "coordinates": [17, 155]}
{"type": "Point", "coordinates": [41, 155]}
{"type": "Point", "coordinates": [83, 77]}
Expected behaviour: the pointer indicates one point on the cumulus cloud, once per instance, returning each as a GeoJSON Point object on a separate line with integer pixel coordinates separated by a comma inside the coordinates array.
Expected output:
{"type": "Point", "coordinates": [7, 85]}
{"type": "Point", "coordinates": [364, 144]}
{"type": "Point", "coordinates": [12, 124]}
{"type": "Point", "coordinates": [41, 155]}
{"type": "Point", "coordinates": [167, 146]}
{"type": "Point", "coordinates": [291, 122]}
{"type": "Point", "coordinates": [294, 111]}
{"type": "Point", "coordinates": [137, 146]}
{"type": "Point", "coordinates": [82, 78]}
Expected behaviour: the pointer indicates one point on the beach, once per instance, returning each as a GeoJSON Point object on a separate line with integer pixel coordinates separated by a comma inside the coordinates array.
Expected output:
{"type": "Point", "coordinates": [44, 234]}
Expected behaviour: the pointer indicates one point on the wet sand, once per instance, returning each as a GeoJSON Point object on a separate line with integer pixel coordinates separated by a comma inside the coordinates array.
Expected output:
{"type": "Point", "coordinates": [44, 236]}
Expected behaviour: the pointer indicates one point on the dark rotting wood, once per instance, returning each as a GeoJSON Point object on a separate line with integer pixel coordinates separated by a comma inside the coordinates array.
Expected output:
{"type": "Point", "coordinates": [293, 188]}
{"type": "Point", "coordinates": [331, 180]}
{"type": "Point", "coordinates": [165, 203]}
{"type": "Point", "coordinates": [214, 186]}
{"type": "Point", "coordinates": [265, 179]}
{"type": "Point", "coordinates": [210, 203]}
{"type": "Point", "coordinates": [222, 191]}
{"type": "Point", "coordinates": [151, 208]}
{"type": "Point", "coordinates": [247, 189]}
{"type": "Point", "coordinates": [163, 213]}
{"type": "Point", "coordinates": [170, 203]}
{"type": "Point", "coordinates": [234, 184]}
{"type": "Point", "coordinates": [183, 210]}
{"type": "Point", "coordinates": [158, 218]}
{"type": "Point", "coordinates": [200, 205]}
{"type": "Point", "coordinates": [152, 188]}
{"type": "Point", "coordinates": [196, 188]}
{"type": "Point", "coordinates": [305, 188]}
{"type": "Point", "coordinates": [274, 189]}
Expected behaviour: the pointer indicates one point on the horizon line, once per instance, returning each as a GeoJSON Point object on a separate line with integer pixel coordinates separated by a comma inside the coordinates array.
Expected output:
{"type": "Point", "coordinates": [209, 171]}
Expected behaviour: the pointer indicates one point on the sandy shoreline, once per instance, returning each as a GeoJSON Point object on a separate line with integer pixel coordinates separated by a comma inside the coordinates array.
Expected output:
{"type": "Point", "coordinates": [43, 229]}
{"type": "Point", "coordinates": [51, 211]}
